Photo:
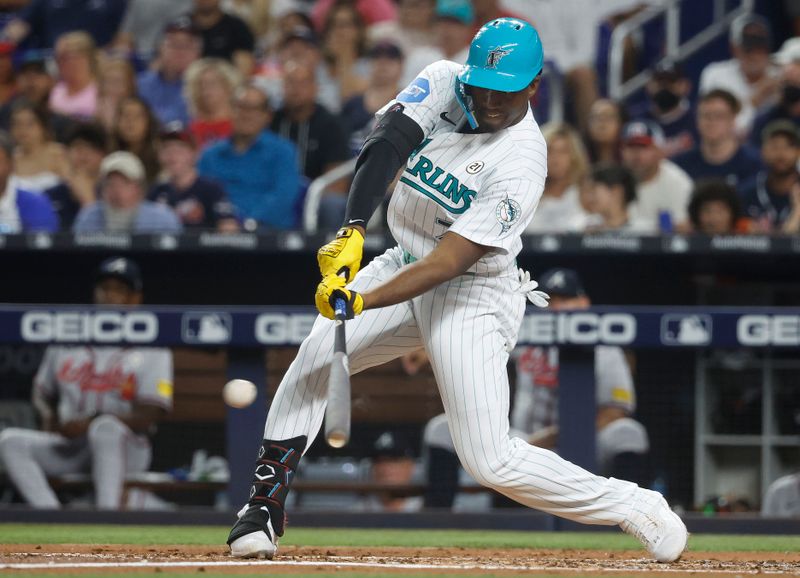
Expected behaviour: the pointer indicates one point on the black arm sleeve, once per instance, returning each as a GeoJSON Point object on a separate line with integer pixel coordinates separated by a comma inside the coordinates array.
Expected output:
{"type": "Point", "coordinates": [384, 152]}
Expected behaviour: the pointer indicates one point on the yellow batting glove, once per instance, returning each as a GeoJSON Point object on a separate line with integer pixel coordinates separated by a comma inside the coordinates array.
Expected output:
{"type": "Point", "coordinates": [342, 255]}
{"type": "Point", "coordinates": [332, 287]}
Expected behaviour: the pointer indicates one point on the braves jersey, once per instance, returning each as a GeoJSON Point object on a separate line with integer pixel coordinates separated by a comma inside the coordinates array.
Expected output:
{"type": "Point", "coordinates": [87, 381]}
{"type": "Point", "coordinates": [483, 186]}
{"type": "Point", "coordinates": [536, 399]}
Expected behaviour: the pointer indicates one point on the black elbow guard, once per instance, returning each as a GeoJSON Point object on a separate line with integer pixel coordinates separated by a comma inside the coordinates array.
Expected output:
{"type": "Point", "coordinates": [399, 130]}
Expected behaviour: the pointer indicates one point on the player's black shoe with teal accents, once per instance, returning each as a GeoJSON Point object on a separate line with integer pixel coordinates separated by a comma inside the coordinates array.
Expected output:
{"type": "Point", "coordinates": [656, 526]}
{"type": "Point", "coordinates": [253, 535]}
{"type": "Point", "coordinates": [262, 520]}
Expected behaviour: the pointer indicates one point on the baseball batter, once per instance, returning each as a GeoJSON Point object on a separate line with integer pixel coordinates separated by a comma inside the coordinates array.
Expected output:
{"type": "Point", "coordinates": [474, 168]}
{"type": "Point", "coordinates": [97, 405]}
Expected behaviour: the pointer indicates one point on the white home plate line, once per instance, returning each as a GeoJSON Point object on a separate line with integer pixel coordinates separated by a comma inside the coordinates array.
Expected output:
{"type": "Point", "coordinates": [397, 566]}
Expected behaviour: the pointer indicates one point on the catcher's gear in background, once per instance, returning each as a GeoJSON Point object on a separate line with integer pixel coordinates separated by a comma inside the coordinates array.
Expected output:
{"type": "Point", "coordinates": [330, 288]}
{"type": "Point", "coordinates": [342, 255]}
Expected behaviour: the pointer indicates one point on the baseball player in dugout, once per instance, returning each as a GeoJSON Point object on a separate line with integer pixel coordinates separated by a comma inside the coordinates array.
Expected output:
{"type": "Point", "coordinates": [98, 407]}
{"type": "Point", "coordinates": [473, 166]}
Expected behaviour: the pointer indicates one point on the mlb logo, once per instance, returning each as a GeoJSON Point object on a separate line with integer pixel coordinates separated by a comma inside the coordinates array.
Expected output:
{"type": "Point", "coordinates": [686, 329]}
{"type": "Point", "coordinates": [207, 328]}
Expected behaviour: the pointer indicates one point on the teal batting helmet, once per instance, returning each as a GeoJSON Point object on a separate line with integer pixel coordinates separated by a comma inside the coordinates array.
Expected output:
{"type": "Point", "coordinates": [506, 55]}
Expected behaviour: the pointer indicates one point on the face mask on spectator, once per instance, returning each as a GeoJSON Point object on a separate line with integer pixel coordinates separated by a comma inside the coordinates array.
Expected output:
{"type": "Point", "coordinates": [791, 94]}
{"type": "Point", "coordinates": [665, 100]}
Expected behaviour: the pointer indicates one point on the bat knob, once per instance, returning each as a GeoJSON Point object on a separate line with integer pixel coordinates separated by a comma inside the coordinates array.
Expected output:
{"type": "Point", "coordinates": [337, 439]}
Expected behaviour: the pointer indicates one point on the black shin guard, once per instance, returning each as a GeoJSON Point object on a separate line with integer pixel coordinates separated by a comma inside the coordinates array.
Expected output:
{"type": "Point", "coordinates": [275, 468]}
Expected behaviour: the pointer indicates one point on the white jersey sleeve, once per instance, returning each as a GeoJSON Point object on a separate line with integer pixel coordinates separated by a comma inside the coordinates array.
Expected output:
{"type": "Point", "coordinates": [429, 95]}
{"type": "Point", "coordinates": [154, 377]}
{"type": "Point", "coordinates": [45, 382]}
{"type": "Point", "coordinates": [500, 213]}
{"type": "Point", "coordinates": [614, 379]}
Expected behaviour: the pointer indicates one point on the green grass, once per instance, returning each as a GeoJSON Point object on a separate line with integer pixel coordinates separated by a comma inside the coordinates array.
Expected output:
{"type": "Point", "coordinates": [216, 535]}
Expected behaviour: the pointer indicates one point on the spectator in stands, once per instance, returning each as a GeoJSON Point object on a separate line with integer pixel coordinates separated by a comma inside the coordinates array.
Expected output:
{"type": "Point", "coordinates": [20, 210]}
{"type": "Point", "coordinates": [117, 82]}
{"type": "Point", "coordinates": [43, 22]}
{"type": "Point", "coordinates": [257, 168]}
{"type": "Point", "coordinates": [8, 81]}
{"type": "Point", "coordinates": [300, 45]}
{"type": "Point", "coordinates": [749, 75]}
{"type": "Point", "coordinates": [669, 107]}
{"type": "Point", "coordinates": [318, 135]}
{"type": "Point", "coordinates": [75, 93]}
{"type": "Point", "coordinates": [224, 35]}
{"type": "Point", "coordinates": [569, 31]}
{"type": "Point", "coordinates": [210, 86]}
{"type": "Point", "coordinates": [716, 209]}
{"type": "Point", "coordinates": [198, 201]}
{"type": "Point", "coordinates": [80, 175]}
{"type": "Point", "coordinates": [453, 33]}
{"type": "Point", "coordinates": [767, 198]}
{"type": "Point", "coordinates": [358, 113]}
{"type": "Point", "coordinates": [98, 407]}
{"type": "Point", "coordinates": [719, 154]}
{"type": "Point", "coordinates": [559, 208]}
{"type": "Point", "coordinates": [38, 160]}
{"type": "Point", "coordinates": [34, 85]}
{"type": "Point", "coordinates": [609, 194]}
{"type": "Point", "coordinates": [344, 46]}
{"type": "Point", "coordinates": [788, 105]}
{"type": "Point", "coordinates": [257, 14]}
{"type": "Point", "coordinates": [122, 206]}
{"type": "Point", "coordinates": [604, 129]}
{"type": "Point", "coordinates": [144, 23]}
{"type": "Point", "coordinates": [791, 226]}
{"type": "Point", "coordinates": [162, 87]}
{"type": "Point", "coordinates": [136, 131]}
{"type": "Point", "coordinates": [412, 29]}
{"type": "Point", "coordinates": [662, 188]}
{"type": "Point", "coordinates": [370, 11]}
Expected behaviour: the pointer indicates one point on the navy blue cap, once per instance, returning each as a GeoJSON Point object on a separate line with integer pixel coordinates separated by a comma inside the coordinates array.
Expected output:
{"type": "Point", "coordinates": [561, 283]}
{"type": "Point", "coordinates": [120, 268]}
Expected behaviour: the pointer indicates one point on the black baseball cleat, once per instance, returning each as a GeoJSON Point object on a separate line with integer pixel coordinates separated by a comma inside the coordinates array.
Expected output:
{"type": "Point", "coordinates": [253, 535]}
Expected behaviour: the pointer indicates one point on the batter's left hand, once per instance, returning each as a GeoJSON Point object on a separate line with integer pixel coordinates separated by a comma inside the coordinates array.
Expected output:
{"type": "Point", "coordinates": [332, 287]}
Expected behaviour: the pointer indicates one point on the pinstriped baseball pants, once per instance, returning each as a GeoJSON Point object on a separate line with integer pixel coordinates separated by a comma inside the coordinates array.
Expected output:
{"type": "Point", "coordinates": [467, 326]}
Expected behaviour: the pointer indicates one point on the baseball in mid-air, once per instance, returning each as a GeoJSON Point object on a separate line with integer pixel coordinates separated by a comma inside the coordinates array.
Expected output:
{"type": "Point", "coordinates": [239, 393]}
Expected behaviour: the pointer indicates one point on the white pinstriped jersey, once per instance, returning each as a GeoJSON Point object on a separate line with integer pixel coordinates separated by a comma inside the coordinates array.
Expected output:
{"type": "Point", "coordinates": [90, 380]}
{"type": "Point", "coordinates": [485, 186]}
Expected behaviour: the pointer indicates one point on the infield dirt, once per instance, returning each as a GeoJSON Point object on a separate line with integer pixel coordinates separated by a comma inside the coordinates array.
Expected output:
{"type": "Point", "coordinates": [122, 559]}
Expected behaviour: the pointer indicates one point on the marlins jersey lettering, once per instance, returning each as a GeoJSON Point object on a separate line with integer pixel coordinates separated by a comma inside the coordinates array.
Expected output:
{"type": "Point", "coordinates": [484, 186]}
{"type": "Point", "coordinates": [106, 380]}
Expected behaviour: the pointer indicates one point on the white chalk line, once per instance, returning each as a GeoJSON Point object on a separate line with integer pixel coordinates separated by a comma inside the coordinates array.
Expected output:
{"type": "Point", "coordinates": [389, 565]}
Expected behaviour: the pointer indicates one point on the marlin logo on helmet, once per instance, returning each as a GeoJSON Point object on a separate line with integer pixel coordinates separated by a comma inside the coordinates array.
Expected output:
{"type": "Point", "coordinates": [494, 56]}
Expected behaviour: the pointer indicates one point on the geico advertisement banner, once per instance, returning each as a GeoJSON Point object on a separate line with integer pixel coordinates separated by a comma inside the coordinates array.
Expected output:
{"type": "Point", "coordinates": [275, 326]}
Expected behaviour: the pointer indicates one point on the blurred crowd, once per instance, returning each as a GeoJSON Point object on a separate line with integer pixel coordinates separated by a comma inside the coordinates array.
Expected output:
{"type": "Point", "coordinates": [170, 115]}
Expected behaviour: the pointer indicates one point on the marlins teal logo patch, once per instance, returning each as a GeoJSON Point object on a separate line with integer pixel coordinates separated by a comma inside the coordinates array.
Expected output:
{"type": "Point", "coordinates": [507, 211]}
{"type": "Point", "coordinates": [495, 56]}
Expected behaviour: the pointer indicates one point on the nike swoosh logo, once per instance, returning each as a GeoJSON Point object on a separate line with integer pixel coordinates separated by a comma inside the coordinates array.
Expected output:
{"type": "Point", "coordinates": [445, 118]}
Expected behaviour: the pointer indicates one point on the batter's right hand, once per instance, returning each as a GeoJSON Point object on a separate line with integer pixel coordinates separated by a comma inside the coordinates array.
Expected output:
{"type": "Point", "coordinates": [342, 256]}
